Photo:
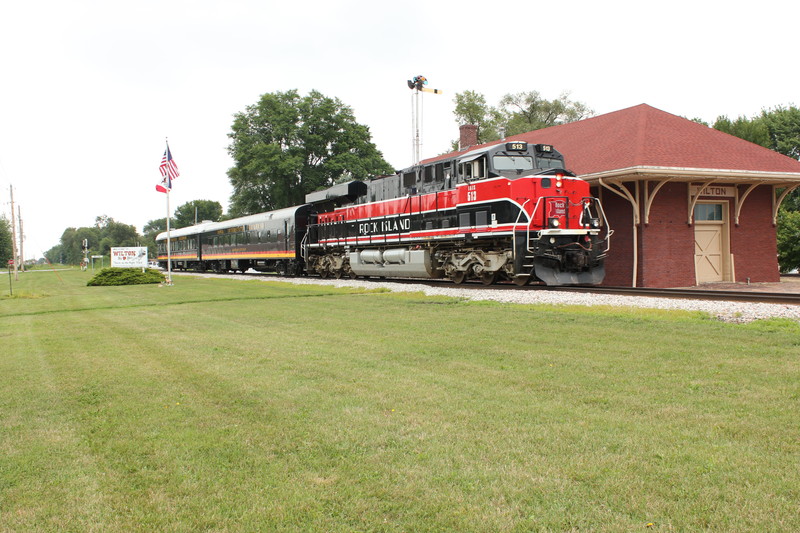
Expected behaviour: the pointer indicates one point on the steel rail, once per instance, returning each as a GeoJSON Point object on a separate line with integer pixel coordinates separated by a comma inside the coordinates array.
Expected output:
{"type": "Point", "coordinates": [688, 294]}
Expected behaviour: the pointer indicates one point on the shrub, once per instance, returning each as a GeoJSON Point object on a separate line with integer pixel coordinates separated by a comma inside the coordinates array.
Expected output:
{"type": "Point", "coordinates": [126, 276]}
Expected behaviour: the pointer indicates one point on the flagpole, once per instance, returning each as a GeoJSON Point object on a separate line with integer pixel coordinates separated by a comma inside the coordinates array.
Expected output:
{"type": "Point", "coordinates": [169, 251]}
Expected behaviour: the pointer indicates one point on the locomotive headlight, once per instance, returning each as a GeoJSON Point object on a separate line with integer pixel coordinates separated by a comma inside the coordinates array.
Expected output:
{"type": "Point", "coordinates": [594, 222]}
{"type": "Point", "coordinates": [553, 222]}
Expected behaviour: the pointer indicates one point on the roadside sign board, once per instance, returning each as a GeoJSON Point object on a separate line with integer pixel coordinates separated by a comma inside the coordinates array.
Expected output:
{"type": "Point", "coordinates": [135, 257]}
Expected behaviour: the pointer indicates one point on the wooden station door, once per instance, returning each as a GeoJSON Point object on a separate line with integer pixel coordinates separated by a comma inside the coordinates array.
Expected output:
{"type": "Point", "coordinates": [711, 242]}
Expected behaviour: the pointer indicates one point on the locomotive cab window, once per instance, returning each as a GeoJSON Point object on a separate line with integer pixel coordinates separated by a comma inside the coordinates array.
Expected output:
{"type": "Point", "coordinates": [465, 171]}
{"type": "Point", "coordinates": [475, 169]}
{"type": "Point", "coordinates": [479, 168]}
{"type": "Point", "coordinates": [512, 162]}
{"type": "Point", "coordinates": [547, 162]}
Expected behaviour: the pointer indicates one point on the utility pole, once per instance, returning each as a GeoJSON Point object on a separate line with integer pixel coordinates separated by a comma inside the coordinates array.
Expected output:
{"type": "Point", "coordinates": [13, 235]}
{"type": "Point", "coordinates": [21, 238]}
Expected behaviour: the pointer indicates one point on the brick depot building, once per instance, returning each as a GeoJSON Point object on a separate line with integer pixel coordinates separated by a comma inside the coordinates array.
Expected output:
{"type": "Point", "coordinates": [688, 204]}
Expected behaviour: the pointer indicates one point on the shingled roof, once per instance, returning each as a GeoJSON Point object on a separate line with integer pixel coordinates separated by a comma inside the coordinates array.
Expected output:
{"type": "Point", "coordinates": [643, 137]}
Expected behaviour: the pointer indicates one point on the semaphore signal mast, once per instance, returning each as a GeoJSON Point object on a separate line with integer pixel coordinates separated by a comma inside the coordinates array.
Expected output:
{"type": "Point", "coordinates": [417, 84]}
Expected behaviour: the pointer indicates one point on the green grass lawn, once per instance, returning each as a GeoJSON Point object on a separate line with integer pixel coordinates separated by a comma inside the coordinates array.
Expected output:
{"type": "Point", "coordinates": [242, 405]}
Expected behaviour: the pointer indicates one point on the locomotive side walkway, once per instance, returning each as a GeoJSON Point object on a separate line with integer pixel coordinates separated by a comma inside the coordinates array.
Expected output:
{"type": "Point", "coordinates": [737, 312]}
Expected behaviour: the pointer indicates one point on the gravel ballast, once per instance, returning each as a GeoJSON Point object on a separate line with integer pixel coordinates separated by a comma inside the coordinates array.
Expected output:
{"type": "Point", "coordinates": [739, 312]}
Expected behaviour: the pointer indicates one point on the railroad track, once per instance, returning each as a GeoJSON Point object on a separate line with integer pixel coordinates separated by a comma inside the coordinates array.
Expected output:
{"type": "Point", "coordinates": [686, 294]}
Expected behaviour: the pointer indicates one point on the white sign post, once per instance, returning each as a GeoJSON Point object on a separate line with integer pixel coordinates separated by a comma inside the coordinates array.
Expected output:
{"type": "Point", "coordinates": [102, 261]}
{"type": "Point", "coordinates": [135, 257]}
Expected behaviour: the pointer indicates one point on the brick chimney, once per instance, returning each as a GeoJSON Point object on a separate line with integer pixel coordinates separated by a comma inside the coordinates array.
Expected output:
{"type": "Point", "coordinates": [468, 136]}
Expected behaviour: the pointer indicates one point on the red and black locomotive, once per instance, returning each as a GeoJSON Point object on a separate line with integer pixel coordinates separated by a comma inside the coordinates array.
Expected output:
{"type": "Point", "coordinates": [507, 210]}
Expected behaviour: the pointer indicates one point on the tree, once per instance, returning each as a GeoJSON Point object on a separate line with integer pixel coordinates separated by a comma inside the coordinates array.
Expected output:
{"type": "Point", "coordinates": [55, 254]}
{"type": "Point", "coordinates": [783, 126]}
{"type": "Point", "coordinates": [104, 235]}
{"type": "Point", "coordinates": [777, 129]}
{"type": "Point", "coordinates": [199, 210]}
{"type": "Point", "coordinates": [154, 227]}
{"type": "Point", "coordinates": [471, 108]}
{"type": "Point", "coordinates": [113, 234]}
{"type": "Point", "coordinates": [286, 146]}
{"type": "Point", "coordinates": [151, 231]}
{"type": "Point", "coordinates": [528, 111]}
{"type": "Point", "coordinates": [72, 243]}
{"type": "Point", "coordinates": [516, 113]}
{"type": "Point", "coordinates": [6, 250]}
{"type": "Point", "coordinates": [788, 240]}
{"type": "Point", "coordinates": [754, 130]}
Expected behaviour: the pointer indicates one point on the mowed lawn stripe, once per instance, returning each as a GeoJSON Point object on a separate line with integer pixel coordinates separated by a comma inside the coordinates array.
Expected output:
{"type": "Point", "coordinates": [392, 412]}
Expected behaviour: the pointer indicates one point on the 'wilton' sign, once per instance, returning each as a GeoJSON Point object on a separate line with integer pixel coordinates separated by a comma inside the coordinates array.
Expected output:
{"type": "Point", "coordinates": [129, 257]}
{"type": "Point", "coordinates": [713, 190]}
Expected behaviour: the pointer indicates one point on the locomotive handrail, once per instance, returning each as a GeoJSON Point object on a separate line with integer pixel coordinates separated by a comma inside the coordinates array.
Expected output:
{"type": "Point", "coordinates": [304, 245]}
{"type": "Point", "coordinates": [609, 231]}
{"type": "Point", "coordinates": [530, 222]}
{"type": "Point", "coordinates": [535, 208]}
{"type": "Point", "coordinates": [514, 239]}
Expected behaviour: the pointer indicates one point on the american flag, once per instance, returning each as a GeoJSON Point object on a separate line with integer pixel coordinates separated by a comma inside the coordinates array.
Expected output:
{"type": "Point", "coordinates": [169, 171]}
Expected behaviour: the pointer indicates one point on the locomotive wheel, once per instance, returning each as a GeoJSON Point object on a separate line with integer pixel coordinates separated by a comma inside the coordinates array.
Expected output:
{"type": "Point", "coordinates": [325, 274]}
{"type": "Point", "coordinates": [521, 281]}
{"type": "Point", "coordinates": [489, 278]}
{"type": "Point", "coordinates": [338, 274]}
{"type": "Point", "coordinates": [458, 277]}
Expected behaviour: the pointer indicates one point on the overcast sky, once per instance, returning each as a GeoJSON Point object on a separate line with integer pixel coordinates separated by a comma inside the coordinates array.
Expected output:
{"type": "Point", "coordinates": [91, 89]}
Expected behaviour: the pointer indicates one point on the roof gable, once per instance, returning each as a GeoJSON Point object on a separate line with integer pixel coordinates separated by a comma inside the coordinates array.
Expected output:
{"type": "Point", "coordinates": [645, 136]}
